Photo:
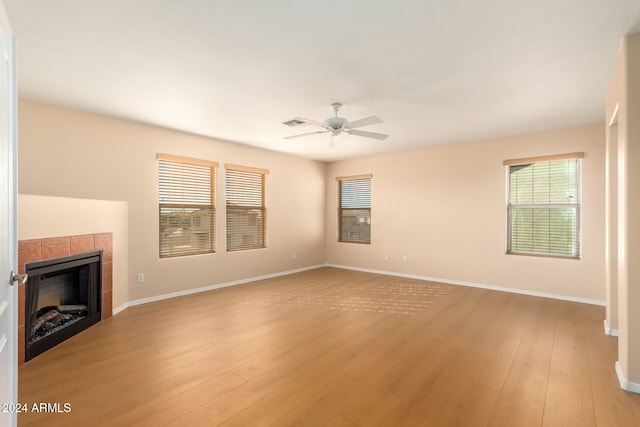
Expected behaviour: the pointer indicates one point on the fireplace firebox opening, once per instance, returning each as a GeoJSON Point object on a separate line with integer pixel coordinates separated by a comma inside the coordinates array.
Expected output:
{"type": "Point", "coordinates": [62, 298]}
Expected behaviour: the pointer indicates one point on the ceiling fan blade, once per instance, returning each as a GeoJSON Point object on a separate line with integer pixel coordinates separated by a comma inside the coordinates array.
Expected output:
{"type": "Point", "coordinates": [311, 122]}
{"type": "Point", "coordinates": [364, 122]}
{"type": "Point", "coordinates": [305, 134]}
{"type": "Point", "coordinates": [380, 136]}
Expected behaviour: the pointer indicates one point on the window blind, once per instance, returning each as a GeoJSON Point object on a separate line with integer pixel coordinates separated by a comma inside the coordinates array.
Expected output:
{"type": "Point", "coordinates": [246, 208]}
{"type": "Point", "coordinates": [186, 195]}
{"type": "Point", "coordinates": [544, 208]}
{"type": "Point", "coordinates": [354, 209]}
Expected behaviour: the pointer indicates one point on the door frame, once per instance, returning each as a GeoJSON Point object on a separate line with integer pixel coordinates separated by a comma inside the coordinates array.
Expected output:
{"type": "Point", "coordinates": [10, 382]}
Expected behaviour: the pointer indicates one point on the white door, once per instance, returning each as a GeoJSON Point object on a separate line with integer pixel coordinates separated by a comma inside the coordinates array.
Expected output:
{"type": "Point", "coordinates": [8, 234]}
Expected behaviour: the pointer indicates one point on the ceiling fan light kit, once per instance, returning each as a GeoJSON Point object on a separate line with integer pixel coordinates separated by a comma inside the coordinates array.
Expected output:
{"type": "Point", "coordinates": [336, 125]}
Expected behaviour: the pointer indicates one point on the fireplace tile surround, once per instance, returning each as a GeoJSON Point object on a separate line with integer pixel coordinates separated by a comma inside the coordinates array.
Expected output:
{"type": "Point", "coordinates": [40, 249]}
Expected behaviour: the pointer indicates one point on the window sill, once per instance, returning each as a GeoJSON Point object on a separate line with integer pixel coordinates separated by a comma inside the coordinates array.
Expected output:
{"type": "Point", "coordinates": [536, 255]}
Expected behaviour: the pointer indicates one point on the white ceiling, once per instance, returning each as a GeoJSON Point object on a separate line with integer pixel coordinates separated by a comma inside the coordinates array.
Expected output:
{"type": "Point", "coordinates": [436, 71]}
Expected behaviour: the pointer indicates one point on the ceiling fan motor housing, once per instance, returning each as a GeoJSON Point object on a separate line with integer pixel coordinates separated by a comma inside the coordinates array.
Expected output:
{"type": "Point", "coordinates": [335, 123]}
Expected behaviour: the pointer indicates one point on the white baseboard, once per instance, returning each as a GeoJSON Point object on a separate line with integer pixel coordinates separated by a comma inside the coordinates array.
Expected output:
{"type": "Point", "coordinates": [625, 384]}
{"type": "Point", "coordinates": [608, 330]}
{"type": "Point", "coordinates": [476, 285]}
{"type": "Point", "coordinates": [133, 303]}
{"type": "Point", "coordinates": [210, 288]}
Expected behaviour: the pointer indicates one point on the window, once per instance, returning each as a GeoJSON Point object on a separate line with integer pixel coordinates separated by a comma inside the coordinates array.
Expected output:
{"type": "Point", "coordinates": [246, 208]}
{"type": "Point", "coordinates": [354, 209]}
{"type": "Point", "coordinates": [543, 205]}
{"type": "Point", "coordinates": [186, 199]}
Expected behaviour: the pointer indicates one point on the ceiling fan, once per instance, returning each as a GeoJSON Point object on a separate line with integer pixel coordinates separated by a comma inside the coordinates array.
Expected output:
{"type": "Point", "coordinates": [336, 125]}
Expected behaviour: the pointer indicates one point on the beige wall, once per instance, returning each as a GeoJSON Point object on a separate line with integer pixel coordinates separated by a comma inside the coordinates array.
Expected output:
{"type": "Point", "coordinates": [445, 209]}
{"type": "Point", "coordinates": [633, 209]}
{"type": "Point", "coordinates": [623, 104]}
{"type": "Point", "coordinates": [633, 213]}
{"type": "Point", "coordinates": [615, 111]}
{"type": "Point", "coordinates": [611, 226]}
{"type": "Point", "coordinates": [41, 217]}
{"type": "Point", "coordinates": [67, 153]}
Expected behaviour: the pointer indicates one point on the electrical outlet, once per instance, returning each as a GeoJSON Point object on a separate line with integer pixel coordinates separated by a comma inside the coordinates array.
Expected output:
{"type": "Point", "coordinates": [140, 277]}
{"type": "Point", "coordinates": [405, 258]}
{"type": "Point", "coordinates": [386, 257]}
{"type": "Point", "coordinates": [294, 255]}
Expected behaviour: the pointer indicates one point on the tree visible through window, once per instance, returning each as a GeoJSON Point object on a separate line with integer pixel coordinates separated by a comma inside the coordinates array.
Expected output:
{"type": "Point", "coordinates": [543, 211]}
{"type": "Point", "coordinates": [186, 198]}
{"type": "Point", "coordinates": [354, 209]}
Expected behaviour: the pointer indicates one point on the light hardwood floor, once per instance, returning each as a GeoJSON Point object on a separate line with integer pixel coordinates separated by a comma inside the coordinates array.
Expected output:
{"type": "Point", "coordinates": [338, 348]}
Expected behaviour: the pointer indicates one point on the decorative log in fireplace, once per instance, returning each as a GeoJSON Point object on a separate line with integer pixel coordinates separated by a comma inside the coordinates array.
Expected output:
{"type": "Point", "coordinates": [62, 298]}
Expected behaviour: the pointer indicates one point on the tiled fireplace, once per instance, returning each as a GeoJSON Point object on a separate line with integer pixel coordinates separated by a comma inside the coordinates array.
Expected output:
{"type": "Point", "coordinates": [30, 251]}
